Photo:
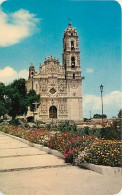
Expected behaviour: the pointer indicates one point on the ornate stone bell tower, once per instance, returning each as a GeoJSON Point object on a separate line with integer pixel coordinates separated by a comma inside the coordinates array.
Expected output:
{"type": "Point", "coordinates": [71, 53]}
{"type": "Point", "coordinates": [31, 71]}
{"type": "Point", "coordinates": [71, 63]}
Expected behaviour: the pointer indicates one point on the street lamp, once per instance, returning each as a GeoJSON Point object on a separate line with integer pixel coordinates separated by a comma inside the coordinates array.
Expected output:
{"type": "Point", "coordinates": [101, 89]}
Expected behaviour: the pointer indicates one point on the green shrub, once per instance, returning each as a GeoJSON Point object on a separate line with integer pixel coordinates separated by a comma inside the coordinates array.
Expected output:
{"type": "Point", "coordinates": [34, 126]}
{"type": "Point", "coordinates": [37, 125]}
{"type": "Point", "coordinates": [27, 125]}
{"type": "Point", "coordinates": [66, 126]}
{"type": "Point", "coordinates": [15, 122]}
{"type": "Point", "coordinates": [48, 126]}
{"type": "Point", "coordinates": [86, 130]}
{"type": "Point", "coordinates": [113, 132]}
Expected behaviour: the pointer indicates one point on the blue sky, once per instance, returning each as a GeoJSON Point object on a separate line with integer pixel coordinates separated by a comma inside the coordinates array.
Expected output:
{"type": "Point", "coordinates": [37, 31]}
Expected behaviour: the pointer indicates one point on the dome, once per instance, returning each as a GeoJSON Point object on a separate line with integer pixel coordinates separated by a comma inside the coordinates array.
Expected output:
{"type": "Point", "coordinates": [51, 59]}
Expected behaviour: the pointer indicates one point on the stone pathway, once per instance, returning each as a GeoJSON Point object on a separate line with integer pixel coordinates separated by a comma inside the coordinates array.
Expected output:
{"type": "Point", "coordinates": [25, 170]}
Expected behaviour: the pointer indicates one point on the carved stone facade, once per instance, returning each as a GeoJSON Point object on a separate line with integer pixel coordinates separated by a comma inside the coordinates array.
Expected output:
{"type": "Point", "coordinates": [59, 86]}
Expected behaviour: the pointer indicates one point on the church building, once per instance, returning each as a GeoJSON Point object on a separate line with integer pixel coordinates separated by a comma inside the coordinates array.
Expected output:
{"type": "Point", "coordinates": [59, 86]}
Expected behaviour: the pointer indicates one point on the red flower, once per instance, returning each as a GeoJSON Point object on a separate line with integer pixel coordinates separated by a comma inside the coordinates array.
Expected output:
{"type": "Point", "coordinates": [70, 151]}
{"type": "Point", "coordinates": [65, 155]}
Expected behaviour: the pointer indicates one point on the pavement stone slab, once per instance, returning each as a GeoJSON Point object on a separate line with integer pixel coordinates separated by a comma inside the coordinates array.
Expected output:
{"type": "Point", "coordinates": [30, 161]}
{"type": "Point", "coordinates": [20, 151]}
{"type": "Point", "coordinates": [12, 145]}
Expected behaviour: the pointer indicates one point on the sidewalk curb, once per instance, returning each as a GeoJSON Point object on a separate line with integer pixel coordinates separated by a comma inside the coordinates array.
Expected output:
{"type": "Point", "coordinates": [104, 170]}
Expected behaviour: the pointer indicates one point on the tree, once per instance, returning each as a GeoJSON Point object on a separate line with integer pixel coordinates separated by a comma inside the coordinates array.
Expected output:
{"type": "Point", "coordinates": [14, 99]}
{"type": "Point", "coordinates": [3, 109]}
{"type": "Point", "coordinates": [97, 116]}
{"type": "Point", "coordinates": [32, 98]}
{"type": "Point", "coordinates": [17, 98]}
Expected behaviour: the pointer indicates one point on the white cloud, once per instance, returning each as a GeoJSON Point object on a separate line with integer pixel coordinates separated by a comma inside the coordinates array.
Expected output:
{"type": "Point", "coordinates": [111, 104]}
{"type": "Point", "coordinates": [89, 70]}
{"type": "Point", "coordinates": [14, 27]}
{"type": "Point", "coordinates": [8, 74]}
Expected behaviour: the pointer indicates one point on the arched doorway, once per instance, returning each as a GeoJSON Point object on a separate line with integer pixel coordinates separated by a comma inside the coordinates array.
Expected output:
{"type": "Point", "coordinates": [53, 112]}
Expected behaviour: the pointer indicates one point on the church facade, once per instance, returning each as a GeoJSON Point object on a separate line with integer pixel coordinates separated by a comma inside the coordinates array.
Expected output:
{"type": "Point", "coordinates": [59, 86]}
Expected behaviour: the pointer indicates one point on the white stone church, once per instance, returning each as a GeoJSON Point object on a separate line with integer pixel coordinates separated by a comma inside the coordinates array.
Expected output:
{"type": "Point", "coordinates": [59, 86]}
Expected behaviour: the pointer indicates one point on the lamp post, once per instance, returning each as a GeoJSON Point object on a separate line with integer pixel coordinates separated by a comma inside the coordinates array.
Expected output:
{"type": "Point", "coordinates": [101, 89]}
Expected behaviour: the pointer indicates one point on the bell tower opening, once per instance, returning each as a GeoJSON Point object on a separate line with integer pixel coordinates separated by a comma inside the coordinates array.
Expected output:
{"type": "Point", "coordinates": [73, 75]}
{"type": "Point", "coordinates": [72, 45]}
{"type": "Point", "coordinates": [72, 62]}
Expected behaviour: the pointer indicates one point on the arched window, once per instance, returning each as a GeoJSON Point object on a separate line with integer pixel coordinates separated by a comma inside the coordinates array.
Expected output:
{"type": "Point", "coordinates": [73, 75]}
{"type": "Point", "coordinates": [72, 45]}
{"type": "Point", "coordinates": [72, 62]}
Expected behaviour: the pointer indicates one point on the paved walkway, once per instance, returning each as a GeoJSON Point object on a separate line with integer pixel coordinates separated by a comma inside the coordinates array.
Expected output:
{"type": "Point", "coordinates": [25, 170]}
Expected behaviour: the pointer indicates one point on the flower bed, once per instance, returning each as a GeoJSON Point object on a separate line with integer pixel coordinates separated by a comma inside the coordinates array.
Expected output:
{"type": "Point", "coordinates": [33, 135]}
{"type": "Point", "coordinates": [70, 144]}
{"type": "Point", "coordinates": [101, 152]}
{"type": "Point", "coordinates": [75, 147]}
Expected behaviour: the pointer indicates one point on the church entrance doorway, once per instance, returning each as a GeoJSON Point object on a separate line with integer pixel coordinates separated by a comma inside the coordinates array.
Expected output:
{"type": "Point", "coordinates": [53, 112]}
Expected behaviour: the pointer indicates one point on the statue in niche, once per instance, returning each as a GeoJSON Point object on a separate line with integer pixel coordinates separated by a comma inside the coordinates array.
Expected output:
{"type": "Point", "coordinates": [61, 88]}
{"type": "Point", "coordinates": [52, 69]}
{"type": "Point", "coordinates": [61, 108]}
{"type": "Point", "coordinates": [44, 106]}
{"type": "Point", "coordinates": [43, 88]}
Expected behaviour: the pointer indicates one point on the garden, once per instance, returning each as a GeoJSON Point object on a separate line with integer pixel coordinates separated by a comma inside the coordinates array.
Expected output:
{"type": "Point", "coordinates": [100, 147]}
{"type": "Point", "coordinates": [97, 146]}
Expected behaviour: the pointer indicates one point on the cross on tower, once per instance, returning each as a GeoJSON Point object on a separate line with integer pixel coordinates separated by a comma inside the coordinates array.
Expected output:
{"type": "Point", "coordinates": [69, 20]}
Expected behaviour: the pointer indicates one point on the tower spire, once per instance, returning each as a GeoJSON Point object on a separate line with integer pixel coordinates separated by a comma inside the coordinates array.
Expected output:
{"type": "Point", "coordinates": [70, 24]}
{"type": "Point", "coordinates": [69, 20]}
